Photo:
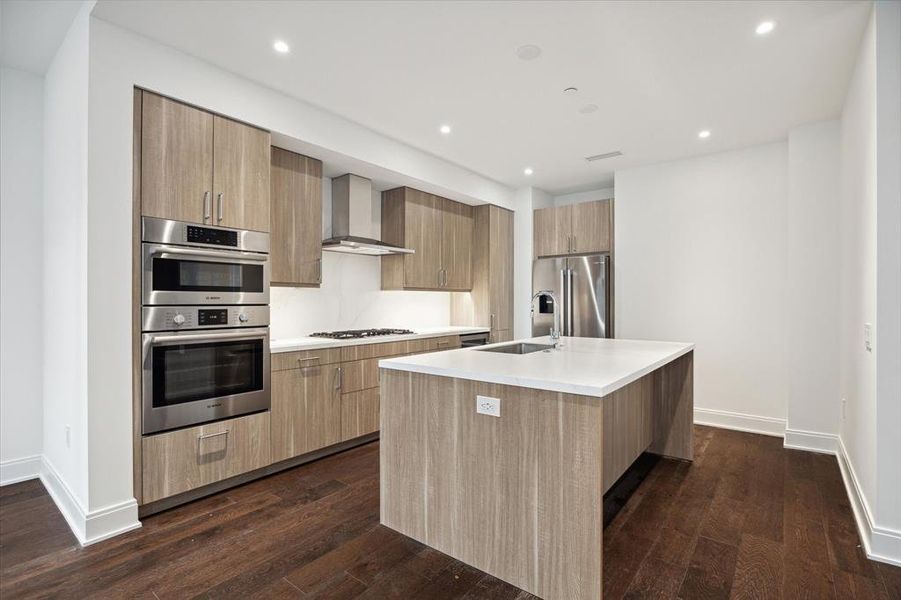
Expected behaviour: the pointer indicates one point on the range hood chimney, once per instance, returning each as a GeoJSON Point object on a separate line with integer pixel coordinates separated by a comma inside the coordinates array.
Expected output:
{"type": "Point", "coordinates": [352, 219]}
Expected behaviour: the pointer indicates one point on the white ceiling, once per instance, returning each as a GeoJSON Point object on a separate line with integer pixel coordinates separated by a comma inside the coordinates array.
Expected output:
{"type": "Point", "coordinates": [658, 71]}
{"type": "Point", "coordinates": [31, 31]}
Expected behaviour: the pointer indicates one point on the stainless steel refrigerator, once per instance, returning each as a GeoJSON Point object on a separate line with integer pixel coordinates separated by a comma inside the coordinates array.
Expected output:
{"type": "Point", "coordinates": [582, 287]}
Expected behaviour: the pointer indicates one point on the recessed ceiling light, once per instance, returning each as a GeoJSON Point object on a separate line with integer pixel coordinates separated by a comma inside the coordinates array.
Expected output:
{"type": "Point", "coordinates": [445, 129]}
{"type": "Point", "coordinates": [528, 52]}
{"type": "Point", "coordinates": [281, 46]}
{"type": "Point", "coordinates": [527, 170]}
{"type": "Point", "coordinates": [704, 134]}
{"type": "Point", "coordinates": [588, 109]}
{"type": "Point", "coordinates": [765, 28]}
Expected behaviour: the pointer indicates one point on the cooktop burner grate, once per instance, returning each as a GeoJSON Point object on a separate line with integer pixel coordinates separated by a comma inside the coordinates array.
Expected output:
{"type": "Point", "coordinates": [351, 334]}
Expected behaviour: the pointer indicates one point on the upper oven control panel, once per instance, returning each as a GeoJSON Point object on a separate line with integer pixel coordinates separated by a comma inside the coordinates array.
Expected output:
{"type": "Point", "coordinates": [173, 318]}
{"type": "Point", "coordinates": [180, 233]}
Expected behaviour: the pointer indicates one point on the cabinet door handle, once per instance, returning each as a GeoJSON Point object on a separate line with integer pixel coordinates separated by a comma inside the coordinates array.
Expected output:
{"type": "Point", "coordinates": [206, 205]}
{"type": "Point", "coordinates": [219, 206]}
{"type": "Point", "coordinates": [445, 278]}
{"type": "Point", "coordinates": [491, 321]}
{"type": "Point", "coordinates": [575, 244]}
{"type": "Point", "coordinates": [439, 277]}
{"type": "Point", "coordinates": [339, 378]}
{"type": "Point", "coordinates": [309, 359]}
{"type": "Point", "coordinates": [319, 270]}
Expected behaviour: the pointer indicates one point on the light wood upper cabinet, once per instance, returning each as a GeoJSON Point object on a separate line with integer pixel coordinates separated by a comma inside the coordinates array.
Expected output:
{"type": "Point", "coordinates": [573, 229]}
{"type": "Point", "coordinates": [176, 160]}
{"type": "Point", "coordinates": [456, 244]}
{"type": "Point", "coordinates": [591, 227]}
{"type": "Point", "coordinates": [240, 175]}
{"type": "Point", "coordinates": [422, 232]}
{"type": "Point", "coordinates": [202, 168]}
{"type": "Point", "coordinates": [306, 409]}
{"type": "Point", "coordinates": [490, 304]}
{"type": "Point", "coordinates": [296, 219]}
{"type": "Point", "coordinates": [438, 229]}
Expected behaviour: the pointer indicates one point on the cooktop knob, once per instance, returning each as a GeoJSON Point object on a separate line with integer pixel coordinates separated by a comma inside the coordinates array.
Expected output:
{"type": "Point", "coordinates": [242, 317]}
{"type": "Point", "coordinates": [178, 319]}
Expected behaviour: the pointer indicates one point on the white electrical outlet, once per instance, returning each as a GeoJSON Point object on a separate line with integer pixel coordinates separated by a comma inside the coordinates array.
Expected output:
{"type": "Point", "coordinates": [868, 337]}
{"type": "Point", "coordinates": [486, 405]}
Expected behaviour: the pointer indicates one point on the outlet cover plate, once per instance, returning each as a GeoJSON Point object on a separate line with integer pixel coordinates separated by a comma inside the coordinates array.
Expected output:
{"type": "Point", "coordinates": [486, 405]}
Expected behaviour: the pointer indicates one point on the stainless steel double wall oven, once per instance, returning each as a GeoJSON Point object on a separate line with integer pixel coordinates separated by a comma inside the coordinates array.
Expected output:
{"type": "Point", "coordinates": [205, 323]}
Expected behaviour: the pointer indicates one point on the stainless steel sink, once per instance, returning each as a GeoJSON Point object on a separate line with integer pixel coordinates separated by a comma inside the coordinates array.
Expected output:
{"type": "Point", "coordinates": [518, 348]}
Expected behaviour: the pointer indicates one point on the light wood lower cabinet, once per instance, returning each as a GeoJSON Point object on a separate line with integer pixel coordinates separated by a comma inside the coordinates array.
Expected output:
{"type": "Point", "coordinates": [327, 396]}
{"type": "Point", "coordinates": [359, 413]}
{"type": "Point", "coordinates": [306, 411]}
{"type": "Point", "coordinates": [186, 459]}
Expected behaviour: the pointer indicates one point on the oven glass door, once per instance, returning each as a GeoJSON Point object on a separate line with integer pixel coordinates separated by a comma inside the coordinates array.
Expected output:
{"type": "Point", "coordinates": [190, 372]}
{"type": "Point", "coordinates": [192, 378]}
{"type": "Point", "coordinates": [177, 275]}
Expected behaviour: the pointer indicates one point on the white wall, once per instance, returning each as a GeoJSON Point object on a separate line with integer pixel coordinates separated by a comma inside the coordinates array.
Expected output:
{"type": "Point", "coordinates": [65, 264]}
{"type": "Point", "coordinates": [812, 294]}
{"type": "Point", "coordinates": [888, 265]}
{"type": "Point", "coordinates": [858, 267]}
{"type": "Point", "coordinates": [579, 197]}
{"type": "Point", "coordinates": [700, 251]}
{"type": "Point", "coordinates": [21, 235]}
{"type": "Point", "coordinates": [350, 296]}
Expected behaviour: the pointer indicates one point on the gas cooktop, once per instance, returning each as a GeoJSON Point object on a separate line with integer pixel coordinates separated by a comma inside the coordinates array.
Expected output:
{"type": "Point", "coordinates": [352, 334]}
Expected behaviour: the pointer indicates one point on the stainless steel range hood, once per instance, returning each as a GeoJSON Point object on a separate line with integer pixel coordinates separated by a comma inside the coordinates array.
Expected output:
{"type": "Point", "coordinates": [352, 220]}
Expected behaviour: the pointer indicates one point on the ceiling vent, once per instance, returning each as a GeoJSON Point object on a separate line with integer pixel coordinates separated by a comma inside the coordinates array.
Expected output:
{"type": "Point", "coordinates": [603, 156]}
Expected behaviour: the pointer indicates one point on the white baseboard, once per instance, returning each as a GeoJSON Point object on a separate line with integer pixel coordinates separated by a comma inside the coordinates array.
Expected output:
{"type": "Point", "coordinates": [879, 543]}
{"type": "Point", "coordinates": [88, 527]}
{"type": "Point", "coordinates": [20, 469]}
{"type": "Point", "coordinates": [725, 419]}
{"type": "Point", "coordinates": [812, 441]}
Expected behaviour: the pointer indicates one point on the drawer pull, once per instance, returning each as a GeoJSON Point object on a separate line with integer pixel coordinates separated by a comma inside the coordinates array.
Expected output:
{"type": "Point", "coordinates": [443, 342]}
{"type": "Point", "coordinates": [309, 359]}
{"type": "Point", "coordinates": [207, 436]}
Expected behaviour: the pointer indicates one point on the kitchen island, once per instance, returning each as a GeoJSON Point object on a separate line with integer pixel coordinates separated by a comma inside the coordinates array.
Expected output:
{"type": "Point", "coordinates": [501, 459]}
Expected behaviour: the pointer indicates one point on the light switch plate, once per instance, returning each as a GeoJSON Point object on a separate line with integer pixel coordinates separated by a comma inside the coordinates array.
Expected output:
{"type": "Point", "coordinates": [486, 405]}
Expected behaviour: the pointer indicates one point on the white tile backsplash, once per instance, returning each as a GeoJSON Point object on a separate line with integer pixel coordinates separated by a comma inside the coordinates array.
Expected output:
{"type": "Point", "coordinates": [350, 298]}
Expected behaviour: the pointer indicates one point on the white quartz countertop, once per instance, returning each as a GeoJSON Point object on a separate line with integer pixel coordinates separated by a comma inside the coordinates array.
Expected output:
{"type": "Point", "coordinates": [585, 366]}
{"type": "Point", "coordinates": [315, 343]}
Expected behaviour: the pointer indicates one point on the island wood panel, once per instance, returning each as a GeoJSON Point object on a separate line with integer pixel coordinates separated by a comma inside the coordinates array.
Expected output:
{"type": "Point", "coordinates": [186, 459]}
{"type": "Point", "coordinates": [673, 415]}
{"type": "Point", "coordinates": [176, 160]}
{"type": "Point", "coordinates": [591, 227]}
{"type": "Point", "coordinates": [359, 413]}
{"type": "Point", "coordinates": [295, 218]}
{"type": "Point", "coordinates": [628, 427]}
{"type": "Point", "coordinates": [517, 496]}
{"type": "Point", "coordinates": [240, 175]}
{"type": "Point", "coordinates": [283, 361]}
{"type": "Point", "coordinates": [306, 410]}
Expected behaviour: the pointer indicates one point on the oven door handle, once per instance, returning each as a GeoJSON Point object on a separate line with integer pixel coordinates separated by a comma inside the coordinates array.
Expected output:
{"type": "Point", "coordinates": [206, 337]}
{"type": "Point", "coordinates": [228, 255]}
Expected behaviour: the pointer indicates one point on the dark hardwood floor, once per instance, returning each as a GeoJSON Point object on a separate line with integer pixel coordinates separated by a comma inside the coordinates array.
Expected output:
{"type": "Point", "coordinates": [748, 519]}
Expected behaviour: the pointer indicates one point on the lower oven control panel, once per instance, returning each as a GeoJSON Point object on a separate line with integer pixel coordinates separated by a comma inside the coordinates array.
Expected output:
{"type": "Point", "coordinates": [173, 318]}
